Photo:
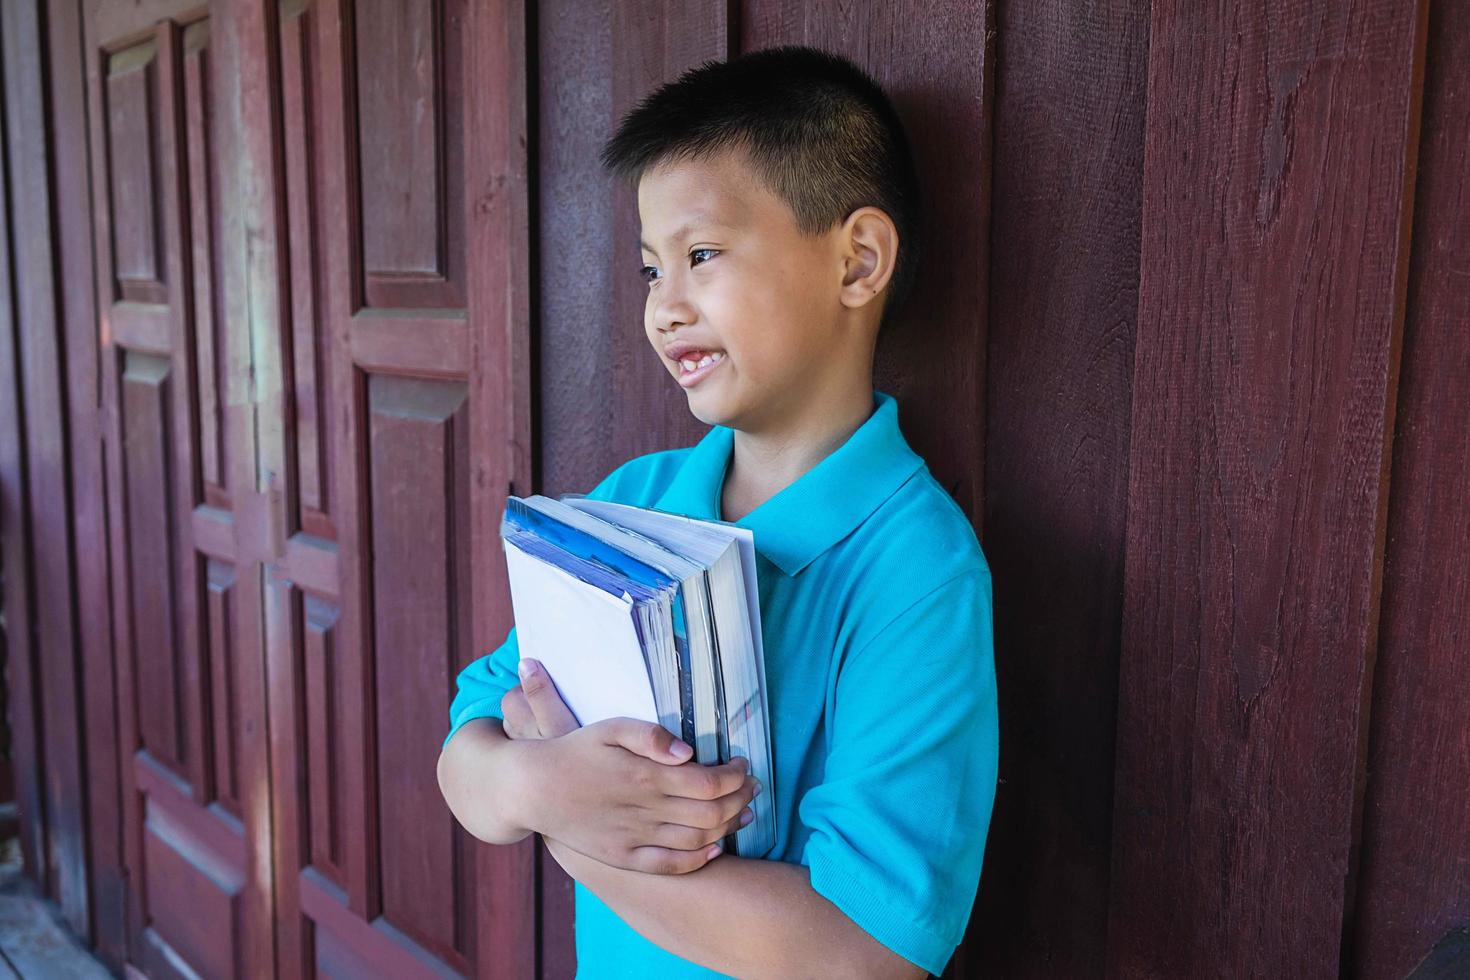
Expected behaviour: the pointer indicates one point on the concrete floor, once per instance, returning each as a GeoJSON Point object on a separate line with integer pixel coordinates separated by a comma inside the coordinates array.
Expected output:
{"type": "Point", "coordinates": [35, 943]}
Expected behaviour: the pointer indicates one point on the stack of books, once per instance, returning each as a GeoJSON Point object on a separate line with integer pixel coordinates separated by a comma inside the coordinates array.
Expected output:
{"type": "Point", "coordinates": [644, 614]}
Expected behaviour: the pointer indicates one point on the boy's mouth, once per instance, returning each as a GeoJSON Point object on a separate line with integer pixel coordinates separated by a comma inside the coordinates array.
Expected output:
{"type": "Point", "coordinates": [697, 365]}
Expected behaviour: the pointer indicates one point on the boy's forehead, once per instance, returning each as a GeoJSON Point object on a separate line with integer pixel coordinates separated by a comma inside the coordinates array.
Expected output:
{"type": "Point", "coordinates": [681, 224]}
{"type": "Point", "coordinates": [677, 199]}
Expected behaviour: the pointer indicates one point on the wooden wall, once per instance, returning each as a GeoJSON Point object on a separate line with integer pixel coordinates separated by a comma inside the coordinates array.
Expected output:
{"type": "Point", "coordinates": [52, 520]}
{"type": "Point", "coordinates": [1191, 346]}
{"type": "Point", "coordinates": [1412, 878]}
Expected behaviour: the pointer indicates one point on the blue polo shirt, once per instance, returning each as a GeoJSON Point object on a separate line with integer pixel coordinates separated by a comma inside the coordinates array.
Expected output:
{"type": "Point", "coordinates": [876, 618]}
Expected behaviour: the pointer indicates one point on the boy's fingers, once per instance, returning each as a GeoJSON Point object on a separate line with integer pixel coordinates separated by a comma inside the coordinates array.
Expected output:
{"type": "Point", "coordinates": [519, 722]}
{"type": "Point", "coordinates": [690, 838]}
{"type": "Point", "coordinates": [649, 740]}
{"type": "Point", "coordinates": [669, 861]}
{"type": "Point", "coordinates": [708, 814]}
{"type": "Point", "coordinates": [553, 717]}
{"type": "Point", "coordinates": [682, 838]}
{"type": "Point", "coordinates": [706, 782]}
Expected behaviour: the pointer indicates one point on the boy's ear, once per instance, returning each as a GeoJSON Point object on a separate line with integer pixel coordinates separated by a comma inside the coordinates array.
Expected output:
{"type": "Point", "coordinates": [869, 241]}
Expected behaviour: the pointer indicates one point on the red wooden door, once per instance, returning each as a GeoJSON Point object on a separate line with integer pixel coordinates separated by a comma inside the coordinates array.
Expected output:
{"type": "Point", "coordinates": [314, 299]}
{"type": "Point", "coordinates": [395, 212]}
{"type": "Point", "coordinates": [186, 584]}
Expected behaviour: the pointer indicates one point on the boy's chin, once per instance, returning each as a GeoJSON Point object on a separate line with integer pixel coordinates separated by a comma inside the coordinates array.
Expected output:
{"type": "Point", "coordinates": [705, 413]}
{"type": "Point", "coordinates": [708, 407]}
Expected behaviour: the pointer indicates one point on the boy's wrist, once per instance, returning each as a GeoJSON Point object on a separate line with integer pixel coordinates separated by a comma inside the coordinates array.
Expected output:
{"type": "Point", "coordinates": [521, 787]}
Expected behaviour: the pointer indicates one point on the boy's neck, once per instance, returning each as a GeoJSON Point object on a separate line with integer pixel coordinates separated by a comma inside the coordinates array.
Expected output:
{"type": "Point", "coordinates": [762, 464]}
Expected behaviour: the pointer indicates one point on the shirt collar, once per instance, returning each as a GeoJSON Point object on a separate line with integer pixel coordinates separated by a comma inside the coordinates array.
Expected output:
{"type": "Point", "coordinates": [822, 506]}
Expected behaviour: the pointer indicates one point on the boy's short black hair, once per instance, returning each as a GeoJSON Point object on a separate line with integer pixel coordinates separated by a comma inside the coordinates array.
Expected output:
{"type": "Point", "coordinates": [818, 130]}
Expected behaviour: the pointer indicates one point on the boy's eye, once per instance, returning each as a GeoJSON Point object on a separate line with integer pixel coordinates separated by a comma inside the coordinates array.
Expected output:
{"type": "Point", "coordinates": [650, 273]}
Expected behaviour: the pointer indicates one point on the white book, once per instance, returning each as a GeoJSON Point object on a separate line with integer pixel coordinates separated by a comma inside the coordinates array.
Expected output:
{"type": "Point", "coordinates": [645, 614]}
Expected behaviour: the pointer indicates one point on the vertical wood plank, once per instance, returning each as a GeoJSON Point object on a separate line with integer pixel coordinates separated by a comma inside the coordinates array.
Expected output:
{"type": "Point", "coordinates": [1279, 159]}
{"type": "Point", "coordinates": [333, 30]}
{"type": "Point", "coordinates": [84, 423]}
{"type": "Point", "coordinates": [111, 365]}
{"type": "Point", "coordinates": [1413, 887]}
{"type": "Point", "coordinates": [179, 589]}
{"type": "Point", "coordinates": [1067, 193]}
{"type": "Point", "coordinates": [39, 352]}
{"type": "Point", "coordinates": [574, 229]}
{"type": "Point", "coordinates": [503, 930]}
{"type": "Point", "coordinates": [310, 465]}
{"type": "Point", "coordinates": [252, 266]}
{"type": "Point", "coordinates": [26, 745]}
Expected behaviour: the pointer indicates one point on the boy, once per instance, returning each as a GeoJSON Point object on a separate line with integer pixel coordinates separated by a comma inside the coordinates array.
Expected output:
{"type": "Point", "coordinates": [778, 206]}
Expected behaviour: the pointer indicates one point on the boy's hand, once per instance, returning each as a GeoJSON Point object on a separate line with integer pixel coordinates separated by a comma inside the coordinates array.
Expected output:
{"type": "Point", "coordinates": [621, 793]}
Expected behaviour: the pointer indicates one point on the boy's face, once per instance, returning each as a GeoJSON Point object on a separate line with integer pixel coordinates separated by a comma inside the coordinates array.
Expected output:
{"type": "Point", "coordinates": [731, 275]}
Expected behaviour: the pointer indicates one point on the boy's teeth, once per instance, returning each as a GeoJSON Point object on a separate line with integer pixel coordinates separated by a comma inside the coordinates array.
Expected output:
{"type": "Point", "coordinates": [689, 364]}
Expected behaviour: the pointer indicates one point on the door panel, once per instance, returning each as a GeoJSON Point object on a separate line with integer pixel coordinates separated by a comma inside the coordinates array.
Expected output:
{"type": "Point", "coordinates": [314, 320]}
{"type": "Point", "coordinates": [176, 423]}
{"type": "Point", "coordinates": [399, 429]}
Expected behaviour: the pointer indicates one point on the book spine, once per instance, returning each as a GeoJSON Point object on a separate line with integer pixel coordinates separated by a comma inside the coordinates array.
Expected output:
{"type": "Point", "coordinates": [686, 681]}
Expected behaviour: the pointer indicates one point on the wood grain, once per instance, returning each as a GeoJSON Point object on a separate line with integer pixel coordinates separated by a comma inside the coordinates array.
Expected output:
{"type": "Point", "coordinates": [1278, 167]}
{"type": "Point", "coordinates": [1068, 188]}
{"type": "Point", "coordinates": [1413, 885]}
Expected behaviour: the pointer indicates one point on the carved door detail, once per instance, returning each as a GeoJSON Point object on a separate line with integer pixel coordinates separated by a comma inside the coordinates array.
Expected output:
{"type": "Point", "coordinates": [185, 588]}
{"type": "Point", "coordinates": [314, 301]}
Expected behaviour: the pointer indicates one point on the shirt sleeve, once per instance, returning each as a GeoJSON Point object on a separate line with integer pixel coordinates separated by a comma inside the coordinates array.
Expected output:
{"type": "Point", "coordinates": [898, 823]}
{"type": "Point", "coordinates": [481, 685]}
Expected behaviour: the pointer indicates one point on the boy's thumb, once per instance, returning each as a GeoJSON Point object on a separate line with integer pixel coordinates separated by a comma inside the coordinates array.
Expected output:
{"type": "Point", "coordinates": [552, 715]}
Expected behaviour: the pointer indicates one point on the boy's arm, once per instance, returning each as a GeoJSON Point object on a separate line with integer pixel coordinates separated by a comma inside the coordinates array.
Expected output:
{"type": "Point", "coordinates": [476, 754]}
{"type": "Point", "coordinates": [614, 790]}
{"type": "Point", "coordinates": [479, 755]}
{"type": "Point", "coordinates": [748, 918]}
{"type": "Point", "coordinates": [744, 917]}
{"type": "Point", "coordinates": [606, 798]}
